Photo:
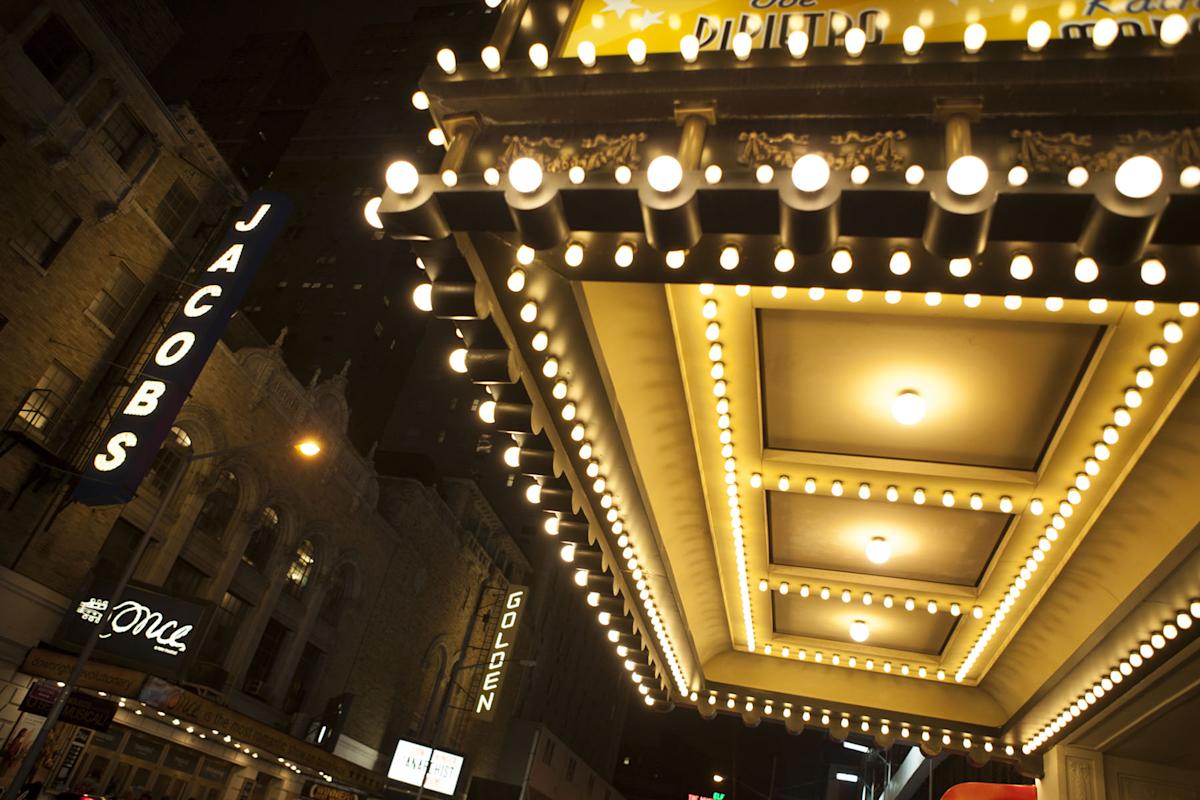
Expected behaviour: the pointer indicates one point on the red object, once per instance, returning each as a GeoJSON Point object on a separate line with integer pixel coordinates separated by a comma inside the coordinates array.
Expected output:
{"type": "Point", "coordinates": [990, 791]}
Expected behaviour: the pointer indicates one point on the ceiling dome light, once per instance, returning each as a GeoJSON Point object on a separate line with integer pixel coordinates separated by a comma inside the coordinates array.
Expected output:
{"type": "Point", "coordinates": [855, 41]}
{"type": "Point", "coordinates": [402, 177]}
{"type": "Point", "coordinates": [587, 53]}
{"type": "Point", "coordinates": [1086, 270]}
{"type": "Point", "coordinates": [974, 37]}
{"type": "Point", "coordinates": [913, 39]}
{"type": "Point", "coordinates": [878, 550]}
{"type": "Point", "coordinates": [423, 296]}
{"type": "Point", "coordinates": [689, 48]}
{"type": "Point", "coordinates": [908, 408]}
{"type": "Point", "coordinates": [859, 630]}
{"type": "Point", "coordinates": [1173, 29]}
{"type": "Point", "coordinates": [1104, 33]}
{"type": "Point", "coordinates": [1139, 177]}
{"type": "Point", "coordinates": [539, 55]}
{"type": "Point", "coordinates": [637, 50]}
{"type": "Point", "coordinates": [665, 173]}
{"type": "Point", "coordinates": [810, 173]}
{"type": "Point", "coordinates": [967, 175]}
{"type": "Point", "coordinates": [371, 213]}
{"type": "Point", "coordinates": [525, 175]}
{"type": "Point", "coordinates": [1038, 35]}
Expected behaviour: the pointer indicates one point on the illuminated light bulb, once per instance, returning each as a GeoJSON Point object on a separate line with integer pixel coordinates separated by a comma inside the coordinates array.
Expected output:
{"type": "Point", "coordinates": [977, 612]}
{"type": "Point", "coordinates": [664, 174]}
{"type": "Point", "coordinates": [864, 491]}
{"type": "Point", "coordinates": [1189, 177]}
{"type": "Point", "coordinates": [824, 593]}
{"type": "Point", "coordinates": [436, 137]}
{"type": "Point", "coordinates": [568, 413]}
{"type": "Point", "coordinates": [1140, 176]}
{"type": "Point", "coordinates": [458, 360]}
{"type": "Point", "coordinates": [491, 176]}
{"type": "Point", "coordinates": [976, 502]}
{"type": "Point", "coordinates": [1077, 177]}
{"type": "Point", "coordinates": [577, 434]}
{"type": "Point", "coordinates": [1006, 504]}
{"type": "Point", "coordinates": [1144, 378]}
{"type": "Point", "coordinates": [810, 173]}
{"type": "Point", "coordinates": [713, 331]}
{"type": "Point", "coordinates": [1074, 496]}
{"type": "Point", "coordinates": [730, 256]}
{"type": "Point", "coordinates": [529, 312]}
{"type": "Point", "coordinates": [712, 174]}
{"type": "Point", "coordinates": [539, 55]}
{"type": "Point", "coordinates": [785, 260]}
{"type": "Point", "coordinates": [908, 408]}
{"type": "Point", "coordinates": [1172, 30]}
{"type": "Point", "coordinates": [892, 494]}
{"type": "Point", "coordinates": [1086, 270]}
{"type": "Point", "coordinates": [1143, 308]}
{"type": "Point", "coordinates": [1110, 435]}
{"type": "Point", "coordinates": [1189, 308]}
{"type": "Point", "coordinates": [420, 100]}
{"type": "Point", "coordinates": [1054, 304]}
{"type": "Point", "coordinates": [784, 483]}
{"type": "Point", "coordinates": [900, 263]}
{"type": "Point", "coordinates": [550, 367]}
{"type": "Point", "coordinates": [764, 173]}
{"type": "Point", "coordinates": [576, 174]}
{"type": "Point", "coordinates": [913, 39]}
{"type": "Point", "coordinates": [487, 411]}
{"type": "Point", "coordinates": [742, 44]}
{"type": "Point", "coordinates": [1038, 35]}
{"type": "Point", "coordinates": [974, 37]}
{"type": "Point", "coordinates": [533, 493]}
{"type": "Point", "coordinates": [1158, 356]}
{"type": "Point", "coordinates": [1012, 301]}
{"type": "Point", "coordinates": [960, 267]}
{"type": "Point", "coordinates": [623, 174]}
{"type": "Point", "coordinates": [878, 552]}
{"type": "Point", "coordinates": [586, 53]}
{"type": "Point", "coordinates": [1104, 33]}
{"type": "Point", "coordinates": [967, 176]}
{"type": "Point", "coordinates": [623, 256]}
{"type": "Point", "coordinates": [371, 212]}
{"type": "Point", "coordinates": [1021, 267]}
{"type": "Point", "coordinates": [762, 585]}
{"type": "Point", "coordinates": [525, 255]}
{"type": "Point", "coordinates": [854, 295]}
{"type": "Point", "coordinates": [932, 607]}
{"type": "Point", "coordinates": [675, 258]}
{"type": "Point", "coordinates": [891, 297]}
{"type": "Point", "coordinates": [780, 292]}
{"type": "Point", "coordinates": [835, 489]}
{"type": "Point", "coordinates": [1091, 466]}
{"type": "Point", "coordinates": [447, 61]}
{"type": "Point", "coordinates": [573, 256]}
{"type": "Point", "coordinates": [450, 177]}
{"type": "Point", "coordinates": [810, 485]}
{"type": "Point", "coordinates": [637, 50]}
{"type": "Point", "coordinates": [490, 58]}
{"type": "Point", "coordinates": [423, 296]}
{"type": "Point", "coordinates": [689, 48]}
{"type": "Point", "coordinates": [797, 43]}
{"type": "Point", "coordinates": [914, 174]}
{"type": "Point", "coordinates": [855, 40]}
{"type": "Point", "coordinates": [919, 497]}
{"type": "Point", "coordinates": [1172, 332]}
{"type": "Point", "coordinates": [1018, 175]}
{"type": "Point", "coordinates": [910, 604]}
{"type": "Point", "coordinates": [842, 261]}
{"type": "Point", "coordinates": [402, 177]}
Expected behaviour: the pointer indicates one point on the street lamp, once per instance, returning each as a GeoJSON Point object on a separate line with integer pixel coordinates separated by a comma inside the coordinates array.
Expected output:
{"type": "Point", "coordinates": [718, 777]}
{"type": "Point", "coordinates": [308, 447]}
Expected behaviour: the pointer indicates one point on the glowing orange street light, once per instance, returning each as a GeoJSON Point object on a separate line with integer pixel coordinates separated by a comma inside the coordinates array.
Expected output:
{"type": "Point", "coordinates": [309, 447]}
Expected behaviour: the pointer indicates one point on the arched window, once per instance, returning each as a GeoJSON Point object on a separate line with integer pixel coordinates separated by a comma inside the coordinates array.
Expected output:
{"type": "Point", "coordinates": [336, 596]}
{"type": "Point", "coordinates": [302, 566]}
{"type": "Point", "coordinates": [169, 460]}
{"type": "Point", "coordinates": [262, 540]}
{"type": "Point", "coordinates": [218, 507]}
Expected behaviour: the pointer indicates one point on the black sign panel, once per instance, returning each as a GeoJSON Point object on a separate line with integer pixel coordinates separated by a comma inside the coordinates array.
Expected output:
{"type": "Point", "coordinates": [81, 709]}
{"type": "Point", "coordinates": [136, 432]}
{"type": "Point", "coordinates": [315, 790]}
{"type": "Point", "coordinates": [149, 631]}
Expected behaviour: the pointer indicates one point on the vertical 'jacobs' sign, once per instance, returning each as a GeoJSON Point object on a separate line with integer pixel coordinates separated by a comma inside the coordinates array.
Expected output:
{"type": "Point", "coordinates": [142, 421]}
{"type": "Point", "coordinates": [500, 650]}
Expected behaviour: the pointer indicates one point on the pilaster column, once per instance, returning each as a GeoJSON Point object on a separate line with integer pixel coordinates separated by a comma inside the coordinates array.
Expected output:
{"type": "Point", "coordinates": [1072, 773]}
{"type": "Point", "coordinates": [285, 664]}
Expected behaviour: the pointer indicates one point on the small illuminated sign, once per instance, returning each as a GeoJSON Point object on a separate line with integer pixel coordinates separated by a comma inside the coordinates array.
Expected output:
{"type": "Point", "coordinates": [413, 763]}
{"type": "Point", "coordinates": [142, 420]}
{"type": "Point", "coordinates": [500, 651]}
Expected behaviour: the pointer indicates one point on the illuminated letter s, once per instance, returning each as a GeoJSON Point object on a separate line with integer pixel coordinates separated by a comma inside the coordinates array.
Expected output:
{"type": "Point", "coordinates": [115, 455]}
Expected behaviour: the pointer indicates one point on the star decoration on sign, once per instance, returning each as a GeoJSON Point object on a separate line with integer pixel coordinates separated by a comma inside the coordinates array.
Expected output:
{"type": "Point", "coordinates": [619, 7]}
{"type": "Point", "coordinates": [644, 20]}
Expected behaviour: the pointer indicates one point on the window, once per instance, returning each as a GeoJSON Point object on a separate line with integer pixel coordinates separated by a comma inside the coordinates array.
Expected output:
{"type": "Point", "coordinates": [169, 460]}
{"type": "Point", "coordinates": [184, 580]}
{"type": "Point", "coordinates": [218, 507]}
{"type": "Point", "coordinates": [113, 301]}
{"type": "Point", "coordinates": [47, 400]}
{"type": "Point", "coordinates": [120, 136]}
{"type": "Point", "coordinates": [263, 661]}
{"type": "Point", "coordinates": [59, 56]}
{"type": "Point", "coordinates": [262, 540]}
{"type": "Point", "coordinates": [335, 596]}
{"type": "Point", "coordinates": [225, 625]}
{"type": "Point", "coordinates": [175, 209]}
{"type": "Point", "coordinates": [48, 231]}
{"type": "Point", "coordinates": [301, 567]}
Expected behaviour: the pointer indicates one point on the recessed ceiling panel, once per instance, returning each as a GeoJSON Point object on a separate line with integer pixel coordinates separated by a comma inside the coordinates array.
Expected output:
{"type": "Point", "coordinates": [992, 390]}
{"type": "Point", "coordinates": [893, 628]}
{"type": "Point", "coordinates": [929, 543]}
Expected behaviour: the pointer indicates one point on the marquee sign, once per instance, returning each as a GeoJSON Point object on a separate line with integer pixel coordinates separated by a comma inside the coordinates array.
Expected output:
{"type": "Point", "coordinates": [415, 763]}
{"type": "Point", "coordinates": [137, 430]}
{"type": "Point", "coordinates": [500, 650]}
{"type": "Point", "coordinates": [610, 24]}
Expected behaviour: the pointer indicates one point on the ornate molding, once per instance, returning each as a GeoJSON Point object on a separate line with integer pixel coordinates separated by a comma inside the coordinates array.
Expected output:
{"type": "Point", "coordinates": [557, 155]}
{"type": "Point", "coordinates": [878, 150]}
{"type": "Point", "coordinates": [1055, 152]}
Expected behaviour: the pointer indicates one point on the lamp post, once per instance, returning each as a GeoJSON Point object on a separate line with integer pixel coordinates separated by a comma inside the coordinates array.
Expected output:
{"type": "Point", "coordinates": [308, 447]}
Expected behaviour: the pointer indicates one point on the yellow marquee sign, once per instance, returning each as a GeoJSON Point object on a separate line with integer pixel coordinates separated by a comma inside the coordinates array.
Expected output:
{"type": "Point", "coordinates": [610, 24]}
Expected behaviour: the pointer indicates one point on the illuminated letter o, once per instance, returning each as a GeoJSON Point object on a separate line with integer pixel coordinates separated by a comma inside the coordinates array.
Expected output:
{"type": "Point", "coordinates": [174, 348]}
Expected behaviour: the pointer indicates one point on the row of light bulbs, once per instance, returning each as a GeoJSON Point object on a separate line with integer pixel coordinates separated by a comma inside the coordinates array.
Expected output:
{"type": "Point", "coordinates": [867, 598]}
{"type": "Point", "coordinates": [1131, 399]}
{"type": "Point", "coordinates": [1105, 31]}
{"type": "Point", "coordinates": [569, 412]}
{"type": "Point", "coordinates": [724, 424]}
{"type": "Point", "coordinates": [829, 718]}
{"type": "Point", "coordinates": [853, 662]}
{"type": "Point", "coordinates": [893, 494]}
{"type": "Point", "coordinates": [1138, 657]}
